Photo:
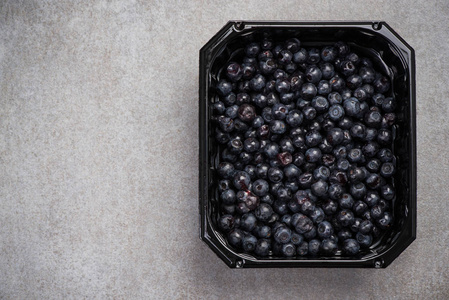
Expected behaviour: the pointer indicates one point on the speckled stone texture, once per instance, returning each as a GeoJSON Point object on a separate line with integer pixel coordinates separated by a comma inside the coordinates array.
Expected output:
{"type": "Point", "coordinates": [98, 153]}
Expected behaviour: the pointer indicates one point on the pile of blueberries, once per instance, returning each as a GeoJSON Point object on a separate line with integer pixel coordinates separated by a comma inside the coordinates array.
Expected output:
{"type": "Point", "coordinates": [305, 140]}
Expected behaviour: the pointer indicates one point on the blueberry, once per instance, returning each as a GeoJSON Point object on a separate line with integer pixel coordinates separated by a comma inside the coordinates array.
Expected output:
{"type": "Point", "coordinates": [387, 169]}
{"type": "Point", "coordinates": [320, 188]}
{"type": "Point", "coordinates": [321, 172]}
{"type": "Point", "coordinates": [314, 247]}
{"type": "Point", "coordinates": [320, 104]}
{"type": "Point", "coordinates": [313, 138]}
{"type": "Point", "coordinates": [261, 187]}
{"type": "Point", "coordinates": [314, 56]}
{"type": "Point", "coordinates": [240, 126]}
{"type": "Point", "coordinates": [335, 191]}
{"type": "Point", "coordinates": [248, 222]}
{"type": "Point", "coordinates": [346, 201]}
{"type": "Point", "coordinates": [367, 73]}
{"type": "Point", "coordinates": [271, 150]}
{"type": "Point", "coordinates": [351, 247]}
{"type": "Point", "coordinates": [366, 227]}
{"type": "Point", "coordinates": [252, 49]}
{"type": "Point", "coordinates": [309, 112]}
{"type": "Point", "coordinates": [329, 54]}
{"type": "Point", "coordinates": [308, 91]}
{"type": "Point", "coordinates": [263, 131]}
{"type": "Point", "coordinates": [292, 172]}
{"type": "Point", "coordinates": [361, 93]}
{"type": "Point", "coordinates": [267, 199]}
{"type": "Point", "coordinates": [249, 242]}
{"type": "Point", "coordinates": [358, 130]}
{"type": "Point", "coordinates": [251, 145]}
{"type": "Point", "coordinates": [335, 136]}
{"type": "Point", "coordinates": [224, 185]}
{"type": "Point", "coordinates": [336, 112]}
{"type": "Point", "coordinates": [343, 165]}
{"type": "Point", "coordinates": [344, 234]}
{"type": "Point", "coordinates": [224, 88]}
{"type": "Point", "coordinates": [250, 200]}
{"type": "Point", "coordinates": [309, 235]}
{"type": "Point", "coordinates": [300, 56]}
{"type": "Point", "coordinates": [293, 186]}
{"type": "Point", "coordinates": [358, 190]}
{"type": "Point", "coordinates": [317, 215]}
{"type": "Point", "coordinates": [355, 226]}
{"type": "Point", "coordinates": [286, 219]}
{"type": "Point", "coordinates": [374, 181]}
{"type": "Point", "coordinates": [297, 239]}
{"type": "Point", "coordinates": [347, 68]}
{"type": "Point", "coordinates": [285, 158]}
{"type": "Point", "coordinates": [370, 149]}
{"type": "Point", "coordinates": [388, 120]}
{"type": "Point", "coordinates": [327, 71]}
{"type": "Point", "coordinates": [384, 137]}
{"type": "Point", "coordinates": [301, 223]}
{"type": "Point", "coordinates": [373, 119]}
{"type": "Point", "coordinates": [313, 74]}
{"type": "Point", "coordinates": [377, 212]}
{"type": "Point", "coordinates": [387, 192]}
{"type": "Point", "coordinates": [342, 48]}
{"type": "Point", "coordinates": [275, 174]}
{"type": "Point", "coordinates": [234, 71]}
{"type": "Point", "coordinates": [305, 180]}
{"type": "Point", "coordinates": [235, 238]}
{"type": "Point", "coordinates": [277, 127]}
{"type": "Point", "coordinates": [385, 221]}
{"type": "Point", "coordinates": [263, 231]}
{"type": "Point", "coordinates": [359, 208]}
{"type": "Point", "coordinates": [226, 223]}
{"type": "Point", "coordinates": [228, 197]}
{"type": "Point", "coordinates": [345, 123]}
{"type": "Point", "coordinates": [373, 165]}
{"type": "Point", "coordinates": [352, 106]}
{"type": "Point", "coordinates": [263, 247]}
{"type": "Point", "coordinates": [279, 111]}
{"type": "Point", "coordinates": [242, 98]}
{"type": "Point", "coordinates": [283, 194]}
{"type": "Point", "coordinates": [372, 198]}
{"type": "Point", "coordinates": [226, 124]}
{"type": "Point", "coordinates": [226, 170]}
{"type": "Point", "coordinates": [228, 209]}
{"type": "Point", "coordinates": [365, 240]}
{"type": "Point", "coordinates": [329, 246]}
{"type": "Point", "coordinates": [382, 84]}
{"type": "Point", "coordinates": [282, 235]}
{"type": "Point", "coordinates": [303, 249]}
{"type": "Point", "coordinates": [267, 66]}
{"type": "Point", "coordinates": [370, 134]}
{"type": "Point", "coordinates": [329, 207]}
{"type": "Point", "coordinates": [385, 155]}
{"type": "Point", "coordinates": [355, 155]}
{"type": "Point", "coordinates": [232, 111]}
{"type": "Point", "coordinates": [313, 155]}
{"type": "Point", "coordinates": [285, 57]}
{"type": "Point", "coordinates": [245, 158]}
{"type": "Point", "coordinates": [263, 212]}
{"type": "Point", "coordinates": [345, 217]}
{"type": "Point", "coordinates": [337, 84]}
{"type": "Point", "coordinates": [325, 230]}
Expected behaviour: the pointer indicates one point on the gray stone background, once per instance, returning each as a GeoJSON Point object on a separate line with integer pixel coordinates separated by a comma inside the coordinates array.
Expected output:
{"type": "Point", "coordinates": [98, 153]}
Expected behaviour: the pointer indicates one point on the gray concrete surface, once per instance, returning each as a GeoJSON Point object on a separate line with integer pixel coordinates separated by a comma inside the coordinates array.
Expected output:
{"type": "Point", "coordinates": [98, 153]}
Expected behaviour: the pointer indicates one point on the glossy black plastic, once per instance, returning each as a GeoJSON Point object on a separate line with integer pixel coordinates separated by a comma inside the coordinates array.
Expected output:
{"type": "Point", "coordinates": [392, 55]}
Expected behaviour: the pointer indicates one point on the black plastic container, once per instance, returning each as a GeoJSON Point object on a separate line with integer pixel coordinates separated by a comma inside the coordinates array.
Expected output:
{"type": "Point", "coordinates": [391, 54]}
